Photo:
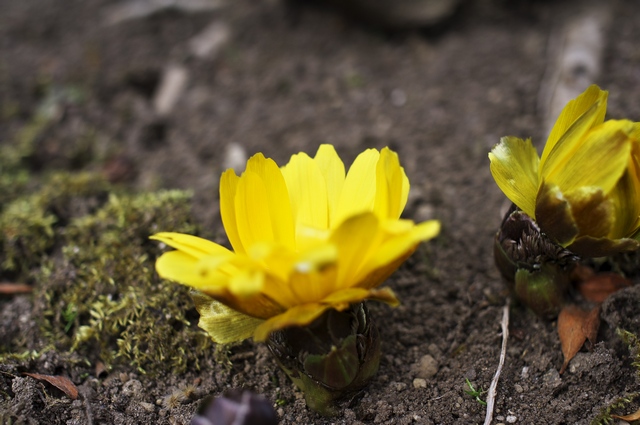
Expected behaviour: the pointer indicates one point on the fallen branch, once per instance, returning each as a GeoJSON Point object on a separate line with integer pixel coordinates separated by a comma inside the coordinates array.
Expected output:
{"type": "Point", "coordinates": [491, 397]}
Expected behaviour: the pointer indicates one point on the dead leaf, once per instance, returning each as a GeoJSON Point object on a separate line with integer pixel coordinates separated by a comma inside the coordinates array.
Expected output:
{"type": "Point", "coordinates": [591, 325]}
{"type": "Point", "coordinates": [581, 273]}
{"type": "Point", "coordinates": [60, 382]}
{"type": "Point", "coordinates": [629, 418]}
{"type": "Point", "coordinates": [8, 288]}
{"type": "Point", "coordinates": [575, 326]}
{"type": "Point", "coordinates": [101, 369]}
{"type": "Point", "coordinates": [599, 286]}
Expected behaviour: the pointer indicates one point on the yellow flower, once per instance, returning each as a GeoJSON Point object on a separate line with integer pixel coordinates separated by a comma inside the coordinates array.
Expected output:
{"type": "Point", "coordinates": [305, 237]}
{"type": "Point", "coordinates": [584, 192]}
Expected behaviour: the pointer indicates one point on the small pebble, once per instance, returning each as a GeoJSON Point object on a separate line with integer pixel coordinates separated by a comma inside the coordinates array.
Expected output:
{"type": "Point", "coordinates": [519, 388]}
{"type": "Point", "coordinates": [235, 156]}
{"type": "Point", "coordinates": [132, 388]}
{"type": "Point", "coordinates": [398, 97]}
{"type": "Point", "coordinates": [427, 367]}
{"type": "Point", "coordinates": [174, 80]}
{"type": "Point", "coordinates": [471, 374]}
{"type": "Point", "coordinates": [149, 407]}
{"type": "Point", "coordinates": [552, 378]}
{"type": "Point", "coordinates": [511, 419]}
{"type": "Point", "coordinates": [419, 383]}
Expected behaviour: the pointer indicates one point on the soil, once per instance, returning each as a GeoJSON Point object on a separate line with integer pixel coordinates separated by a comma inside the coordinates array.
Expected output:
{"type": "Point", "coordinates": [287, 79]}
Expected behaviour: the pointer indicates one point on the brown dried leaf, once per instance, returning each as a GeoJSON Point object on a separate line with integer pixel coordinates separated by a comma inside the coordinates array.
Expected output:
{"type": "Point", "coordinates": [591, 325]}
{"type": "Point", "coordinates": [575, 326]}
{"type": "Point", "coordinates": [60, 382]}
{"type": "Point", "coordinates": [581, 273]}
{"type": "Point", "coordinates": [8, 288]}
{"type": "Point", "coordinates": [101, 369]}
{"type": "Point", "coordinates": [630, 417]}
{"type": "Point", "coordinates": [599, 286]}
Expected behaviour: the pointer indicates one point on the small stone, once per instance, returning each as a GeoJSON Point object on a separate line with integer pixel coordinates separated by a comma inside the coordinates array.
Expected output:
{"type": "Point", "coordinates": [525, 372]}
{"type": "Point", "coordinates": [398, 97]}
{"type": "Point", "coordinates": [579, 361]}
{"type": "Point", "coordinates": [149, 407]}
{"type": "Point", "coordinates": [400, 386]}
{"type": "Point", "coordinates": [519, 388]}
{"type": "Point", "coordinates": [511, 419]}
{"type": "Point", "coordinates": [132, 388]}
{"type": "Point", "coordinates": [434, 350]}
{"type": "Point", "coordinates": [552, 378]}
{"type": "Point", "coordinates": [471, 374]}
{"type": "Point", "coordinates": [419, 383]}
{"type": "Point", "coordinates": [235, 156]}
{"type": "Point", "coordinates": [427, 367]}
{"type": "Point", "coordinates": [174, 80]}
{"type": "Point", "coordinates": [208, 43]}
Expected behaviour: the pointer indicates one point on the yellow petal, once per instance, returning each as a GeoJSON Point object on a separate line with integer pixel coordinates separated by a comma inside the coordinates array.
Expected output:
{"type": "Point", "coordinates": [359, 190]}
{"type": "Point", "coordinates": [279, 291]}
{"type": "Point", "coordinates": [310, 286]}
{"type": "Point", "coordinates": [183, 268]}
{"type": "Point", "coordinates": [553, 214]}
{"type": "Point", "coordinates": [300, 315]}
{"type": "Point", "coordinates": [254, 223]}
{"type": "Point", "coordinates": [377, 276]}
{"type": "Point", "coordinates": [342, 299]}
{"type": "Point", "coordinates": [357, 239]}
{"type": "Point", "coordinates": [392, 186]}
{"type": "Point", "coordinates": [514, 166]}
{"type": "Point", "coordinates": [599, 160]}
{"type": "Point", "coordinates": [277, 196]}
{"type": "Point", "coordinates": [577, 117]}
{"type": "Point", "coordinates": [228, 188]}
{"type": "Point", "coordinates": [308, 191]}
{"type": "Point", "coordinates": [223, 324]}
{"type": "Point", "coordinates": [592, 211]}
{"type": "Point", "coordinates": [398, 246]}
{"type": "Point", "coordinates": [191, 245]}
{"type": "Point", "coordinates": [299, 278]}
{"type": "Point", "coordinates": [332, 169]}
{"type": "Point", "coordinates": [246, 284]}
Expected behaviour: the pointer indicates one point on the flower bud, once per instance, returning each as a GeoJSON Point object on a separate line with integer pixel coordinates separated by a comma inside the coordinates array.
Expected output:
{"type": "Point", "coordinates": [536, 269]}
{"type": "Point", "coordinates": [330, 359]}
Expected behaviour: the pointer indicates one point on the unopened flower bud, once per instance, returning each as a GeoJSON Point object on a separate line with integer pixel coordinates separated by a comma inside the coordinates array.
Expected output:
{"type": "Point", "coordinates": [536, 269]}
{"type": "Point", "coordinates": [330, 359]}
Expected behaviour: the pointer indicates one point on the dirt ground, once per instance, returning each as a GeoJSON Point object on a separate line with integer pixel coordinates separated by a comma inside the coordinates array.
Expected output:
{"type": "Point", "coordinates": [284, 80]}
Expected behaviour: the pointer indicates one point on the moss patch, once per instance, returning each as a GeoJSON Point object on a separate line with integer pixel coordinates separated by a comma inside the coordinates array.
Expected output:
{"type": "Point", "coordinates": [84, 245]}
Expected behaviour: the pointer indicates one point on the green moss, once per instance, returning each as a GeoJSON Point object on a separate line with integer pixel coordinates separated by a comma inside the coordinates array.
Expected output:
{"type": "Point", "coordinates": [26, 233]}
{"type": "Point", "coordinates": [29, 224]}
{"type": "Point", "coordinates": [84, 245]}
{"type": "Point", "coordinates": [122, 312]}
{"type": "Point", "coordinates": [604, 417]}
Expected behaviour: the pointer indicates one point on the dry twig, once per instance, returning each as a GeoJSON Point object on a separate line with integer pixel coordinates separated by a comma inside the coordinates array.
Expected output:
{"type": "Point", "coordinates": [491, 397]}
